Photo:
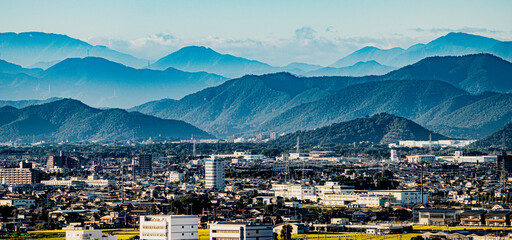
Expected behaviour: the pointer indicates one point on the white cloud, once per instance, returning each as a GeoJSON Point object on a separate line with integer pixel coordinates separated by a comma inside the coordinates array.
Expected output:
{"type": "Point", "coordinates": [304, 45]}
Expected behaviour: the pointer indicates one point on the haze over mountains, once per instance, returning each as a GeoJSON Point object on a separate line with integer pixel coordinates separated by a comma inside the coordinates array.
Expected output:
{"type": "Point", "coordinates": [453, 44]}
{"type": "Point", "coordinates": [458, 96]}
{"type": "Point", "coordinates": [41, 50]}
{"type": "Point", "coordinates": [284, 103]}
{"type": "Point", "coordinates": [68, 119]}
{"type": "Point", "coordinates": [45, 49]}
{"type": "Point", "coordinates": [102, 83]}
{"type": "Point", "coordinates": [26, 103]}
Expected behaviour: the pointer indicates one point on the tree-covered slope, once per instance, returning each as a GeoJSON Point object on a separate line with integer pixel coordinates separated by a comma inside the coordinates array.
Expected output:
{"type": "Point", "coordinates": [239, 105]}
{"type": "Point", "coordinates": [474, 73]}
{"type": "Point", "coordinates": [502, 138]}
{"type": "Point", "coordinates": [380, 128]}
{"type": "Point", "coordinates": [470, 116]}
{"type": "Point", "coordinates": [72, 120]}
{"type": "Point", "coordinates": [406, 98]}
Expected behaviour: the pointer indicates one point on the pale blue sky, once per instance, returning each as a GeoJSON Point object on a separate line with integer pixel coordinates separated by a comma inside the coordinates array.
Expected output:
{"type": "Point", "coordinates": [277, 32]}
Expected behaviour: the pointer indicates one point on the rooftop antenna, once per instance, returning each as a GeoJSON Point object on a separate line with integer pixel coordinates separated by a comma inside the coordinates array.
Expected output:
{"type": "Point", "coordinates": [421, 182]}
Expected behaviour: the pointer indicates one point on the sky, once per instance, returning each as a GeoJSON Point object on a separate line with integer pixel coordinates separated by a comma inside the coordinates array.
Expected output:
{"type": "Point", "coordinates": [273, 31]}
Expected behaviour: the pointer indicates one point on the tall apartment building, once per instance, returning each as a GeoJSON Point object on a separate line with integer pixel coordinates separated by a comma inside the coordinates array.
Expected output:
{"type": "Point", "coordinates": [145, 163]}
{"type": "Point", "coordinates": [24, 174]}
{"type": "Point", "coordinates": [240, 231]}
{"type": "Point", "coordinates": [504, 163]}
{"type": "Point", "coordinates": [214, 173]}
{"type": "Point", "coordinates": [169, 227]}
{"type": "Point", "coordinates": [62, 161]}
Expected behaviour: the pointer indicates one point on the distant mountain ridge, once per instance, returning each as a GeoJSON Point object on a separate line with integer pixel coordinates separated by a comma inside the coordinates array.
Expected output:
{"type": "Point", "coordinates": [381, 128]}
{"type": "Point", "coordinates": [72, 120]}
{"type": "Point", "coordinates": [359, 69]}
{"type": "Point", "coordinates": [100, 82]}
{"type": "Point", "coordinates": [26, 103]}
{"type": "Point", "coordinates": [32, 48]}
{"type": "Point", "coordinates": [197, 58]}
{"type": "Point", "coordinates": [474, 73]}
{"type": "Point", "coordinates": [452, 44]}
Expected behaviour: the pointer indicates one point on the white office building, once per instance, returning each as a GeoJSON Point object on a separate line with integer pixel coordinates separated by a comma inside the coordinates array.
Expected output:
{"type": "Point", "coordinates": [404, 196]}
{"type": "Point", "coordinates": [88, 234]}
{"type": "Point", "coordinates": [214, 173]}
{"type": "Point", "coordinates": [240, 231]}
{"type": "Point", "coordinates": [162, 227]}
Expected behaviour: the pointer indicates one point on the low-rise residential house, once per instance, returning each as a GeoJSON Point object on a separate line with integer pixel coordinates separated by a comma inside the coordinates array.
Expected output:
{"type": "Point", "coordinates": [498, 218]}
{"type": "Point", "coordinates": [473, 218]}
{"type": "Point", "coordinates": [437, 216]}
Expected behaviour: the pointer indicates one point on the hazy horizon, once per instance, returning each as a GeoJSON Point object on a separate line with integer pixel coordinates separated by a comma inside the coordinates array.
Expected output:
{"type": "Point", "coordinates": [277, 33]}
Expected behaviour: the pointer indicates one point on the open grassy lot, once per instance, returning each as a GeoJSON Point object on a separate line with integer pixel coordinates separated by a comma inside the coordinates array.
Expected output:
{"type": "Point", "coordinates": [406, 236]}
{"type": "Point", "coordinates": [457, 228]}
{"type": "Point", "coordinates": [122, 233]}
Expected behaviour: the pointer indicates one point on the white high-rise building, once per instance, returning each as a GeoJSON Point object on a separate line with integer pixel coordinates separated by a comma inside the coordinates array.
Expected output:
{"type": "Point", "coordinates": [214, 173]}
{"type": "Point", "coordinates": [163, 227]}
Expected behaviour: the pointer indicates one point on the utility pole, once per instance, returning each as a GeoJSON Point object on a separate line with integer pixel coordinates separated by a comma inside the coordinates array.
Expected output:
{"type": "Point", "coordinates": [421, 182]}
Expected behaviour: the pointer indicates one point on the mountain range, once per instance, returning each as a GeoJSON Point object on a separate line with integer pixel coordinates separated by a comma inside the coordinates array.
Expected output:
{"type": "Point", "coordinates": [195, 59]}
{"type": "Point", "coordinates": [452, 44]}
{"type": "Point", "coordinates": [380, 128]}
{"type": "Point", "coordinates": [100, 82]}
{"type": "Point", "coordinates": [26, 103]}
{"type": "Point", "coordinates": [406, 98]}
{"type": "Point", "coordinates": [474, 73]}
{"type": "Point", "coordinates": [44, 49]}
{"type": "Point", "coordinates": [285, 103]}
{"type": "Point", "coordinates": [242, 104]}
{"type": "Point", "coordinates": [68, 119]}
{"type": "Point", "coordinates": [359, 69]}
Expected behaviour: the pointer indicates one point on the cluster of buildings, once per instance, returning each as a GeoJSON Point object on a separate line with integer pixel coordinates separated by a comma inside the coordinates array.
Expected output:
{"type": "Point", "coordinates": [236, 191]}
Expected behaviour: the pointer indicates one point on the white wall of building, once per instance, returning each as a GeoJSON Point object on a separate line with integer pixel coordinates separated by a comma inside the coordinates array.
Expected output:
{"type": "Point", "coordinates": [154, 227]}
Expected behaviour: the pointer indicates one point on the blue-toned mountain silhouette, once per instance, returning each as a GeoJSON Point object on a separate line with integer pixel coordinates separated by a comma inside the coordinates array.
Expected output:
{"type": "Point", "coordinates": [102, 83]}
{"type": "Point", "coordinates": [452, 44]}
{"type": "Point", "coordinates": [38, 49]}
{"type": "Point", "coordinates": [71, 120]}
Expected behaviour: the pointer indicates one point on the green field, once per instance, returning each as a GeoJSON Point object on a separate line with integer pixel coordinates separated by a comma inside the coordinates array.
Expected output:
{"type": "Point", "coordinates": [122, 233]}
{"type": "Point", "coordinates": [204, 234]}
{"type": "Point", "coordinates": [406, 236]}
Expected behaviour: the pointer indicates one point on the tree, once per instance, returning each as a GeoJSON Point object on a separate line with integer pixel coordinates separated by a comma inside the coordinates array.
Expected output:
{"type": "Point", "coordinates": [286, 231]}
